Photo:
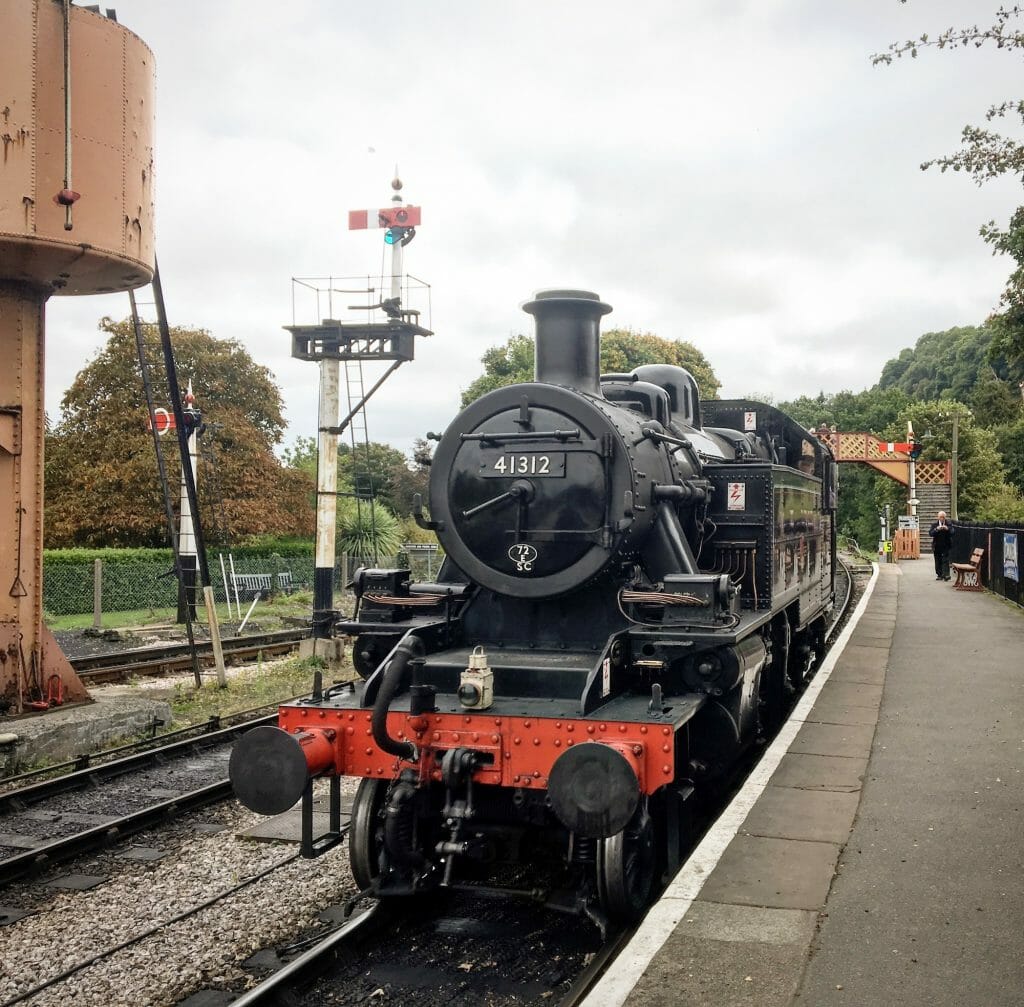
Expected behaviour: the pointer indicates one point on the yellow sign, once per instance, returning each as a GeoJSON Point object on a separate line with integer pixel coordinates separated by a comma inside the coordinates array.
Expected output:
{"type": "Point", "coordinates": [887, 546]}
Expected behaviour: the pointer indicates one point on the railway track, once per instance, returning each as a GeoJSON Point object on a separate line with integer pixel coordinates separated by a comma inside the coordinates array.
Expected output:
{"type": "Point", "coordinates": [41, 820]}
{"type": "Point", "coordinates": [463, 955]}
{"type": "Point", "coordinates": [98, 796]}
{"type": "Point", "coordinates": [464, 952]}
{"type": "Point", "coordinates": [169, 658]}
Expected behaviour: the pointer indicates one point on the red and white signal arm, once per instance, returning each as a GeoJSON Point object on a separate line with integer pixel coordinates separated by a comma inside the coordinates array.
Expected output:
{"type": "Point", "coordinates": [162, 420]}
{"type": "Point", "coordinates": [389, 216]}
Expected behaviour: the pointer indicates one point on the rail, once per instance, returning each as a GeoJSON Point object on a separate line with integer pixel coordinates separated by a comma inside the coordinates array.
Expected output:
{"type": "Point", "coordinates": [274, 989]}
{"type": "Point", "coordinates": [110, 667]}
{"type": "Point", "coordinates": [59, 850]}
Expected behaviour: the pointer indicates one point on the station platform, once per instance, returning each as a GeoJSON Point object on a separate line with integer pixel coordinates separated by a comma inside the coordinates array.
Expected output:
{"type": "Point", "coordinates": [876, 855]}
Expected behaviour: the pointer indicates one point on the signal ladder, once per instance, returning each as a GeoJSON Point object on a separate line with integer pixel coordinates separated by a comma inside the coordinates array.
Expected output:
{"type": "Point", "coordinates": [362, 488]}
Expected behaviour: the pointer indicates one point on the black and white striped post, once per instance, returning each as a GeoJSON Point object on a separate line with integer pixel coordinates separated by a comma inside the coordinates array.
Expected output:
{"type": "Point", "coordinates": [326, 500]}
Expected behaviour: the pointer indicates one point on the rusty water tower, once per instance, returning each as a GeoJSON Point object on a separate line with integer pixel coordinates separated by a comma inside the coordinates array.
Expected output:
{"type": "Point", "coordinates": [76, 217]}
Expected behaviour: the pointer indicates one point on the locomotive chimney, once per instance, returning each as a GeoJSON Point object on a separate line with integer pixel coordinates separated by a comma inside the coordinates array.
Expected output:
{"type": "Point", "coordinates": [568, 342]}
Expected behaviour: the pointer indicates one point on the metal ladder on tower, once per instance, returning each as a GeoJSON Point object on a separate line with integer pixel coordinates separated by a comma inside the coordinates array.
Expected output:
{"type": "Point", "coordinates": [359, 438]}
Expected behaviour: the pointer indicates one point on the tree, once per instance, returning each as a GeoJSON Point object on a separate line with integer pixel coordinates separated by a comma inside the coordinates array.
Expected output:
{"type": "Point", "coordinates": [621, 350]}
{"type": "Point", "coordinates": [986, 154]}
{"type": "Point", "coordinates": [959, 364]}
{"type": "Point", "coordinates": [102, 487]}
{"type": "Point", "coordinates": [994, 402]}
{"type": "Point", "coordinates": [384, 473]}
{"type": "Point", "coordinates": [1007, 326]}
{"type": "Point", "coordinates": [624, 349]}
{"type": "Point", "coordinates": [1010, 443]}
{"type": "Point", "coordinates": [302, 455]}
{"type": "Point", "coordinates": [509, 364]}
{"type": "Point", "coordinates": [872, 411]}
{"type": "Point", "coordinates": [941, 364]}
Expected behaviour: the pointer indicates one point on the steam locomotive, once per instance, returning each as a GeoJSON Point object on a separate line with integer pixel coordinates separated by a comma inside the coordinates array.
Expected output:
{"type": "Point", "coordinates": [634, 582]}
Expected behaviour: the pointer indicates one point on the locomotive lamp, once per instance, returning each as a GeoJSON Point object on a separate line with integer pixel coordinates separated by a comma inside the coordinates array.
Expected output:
{"type": "Point", "coordinates": [476, 686]}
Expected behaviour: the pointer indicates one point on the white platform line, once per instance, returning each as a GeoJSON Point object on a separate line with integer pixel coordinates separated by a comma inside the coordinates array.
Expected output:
{"type": "Point", "coordinates": [616, 985]}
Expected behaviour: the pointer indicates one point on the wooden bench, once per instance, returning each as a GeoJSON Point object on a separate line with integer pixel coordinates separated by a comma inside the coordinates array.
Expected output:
{"type": "Point", "coordinates": [252, 584]}
{"type": "Point", "coordinates": [968, 575]}
{"type": "Point", "coordinates": [284, 582]}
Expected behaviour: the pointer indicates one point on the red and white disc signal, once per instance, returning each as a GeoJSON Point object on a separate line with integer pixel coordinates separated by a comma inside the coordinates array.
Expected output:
{"type": "Point", "coordinates": [162, 420]}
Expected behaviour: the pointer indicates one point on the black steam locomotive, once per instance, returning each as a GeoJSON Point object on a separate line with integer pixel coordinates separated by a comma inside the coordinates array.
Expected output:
{"type": "Point", "coordinates": [634, 582]}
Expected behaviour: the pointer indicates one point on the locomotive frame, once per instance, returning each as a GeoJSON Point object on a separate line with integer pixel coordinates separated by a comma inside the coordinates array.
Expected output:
{"type": "Point", "coordinates": [634, 582]}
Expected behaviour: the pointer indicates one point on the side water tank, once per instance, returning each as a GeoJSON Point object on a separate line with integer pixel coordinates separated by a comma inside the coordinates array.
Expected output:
{"type": "Point", "coordinates": [105, 137]}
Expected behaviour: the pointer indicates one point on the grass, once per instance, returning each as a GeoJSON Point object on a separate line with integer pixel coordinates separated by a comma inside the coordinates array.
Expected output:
{"type": "Point", "coordinates": [268, 614]}
{"type": "Point", "coordinates": [247, 688]}
{"type": "Point", "coordinates": [138, 617]}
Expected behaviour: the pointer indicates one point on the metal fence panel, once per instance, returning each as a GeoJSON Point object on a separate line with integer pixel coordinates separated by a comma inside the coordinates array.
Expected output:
{"type": "Point", "coordinates": [140, 585]}
{"type": "Point", "coordinates": [969, 536]}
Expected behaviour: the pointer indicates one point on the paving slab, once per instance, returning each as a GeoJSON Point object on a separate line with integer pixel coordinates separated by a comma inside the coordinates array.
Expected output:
{"type": "Point", "coordinates": [852, 693]}
{"type": "Point", "coordinates": [208, 828]}
{"type": "Point", "coordinates": [907, 892]}
{"type": "Point", "coordinates": [872, 641]}
{"type": "Point", "coordinates": [81, 818]}
{"type": "Point", "coordinates": [821, 772]}
{"type": "Point", "coordinates": [719, 922]}
{"type": "Point", "coordinates": [857, 655]}
{"type": "Point", "coordinates": [830, 712]}
{"type": "Point", "coordinates": [777, 873]}
{"type": "Point", "coordinates": [876, 617]}
{"type": "Point", "coordinates": [209, 998]}
{"type": "Point", "coordinates": [144, 854]}
{"type": "Point", "coordinates": [870, 673]}
{"type": "Point", "coordinates": [820, 816]}
{"type": "Point", "coordinates": [729, 956]}
{"type": "Point", "coordinates": [287, 827]}
{"type": "Point", "coordinates": [870, 634]}
{"type": "Point", "coordinates": [850, 740]}
{"type": "Point", "coordinates": [11, 914]}
{"type": "Point", "coordinates": [697, 972]}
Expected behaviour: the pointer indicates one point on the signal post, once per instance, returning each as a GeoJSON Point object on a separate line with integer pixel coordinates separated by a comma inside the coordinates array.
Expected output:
{"type": "Point", "coordinates": [329, 342]}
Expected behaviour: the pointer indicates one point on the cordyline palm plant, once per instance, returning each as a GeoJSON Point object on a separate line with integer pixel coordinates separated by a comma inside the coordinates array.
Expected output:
{"type": "Point", "coordinates": [367, 529]}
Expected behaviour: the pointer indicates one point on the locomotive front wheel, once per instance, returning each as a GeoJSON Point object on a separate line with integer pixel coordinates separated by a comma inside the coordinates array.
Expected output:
{"type": "Point", "coordinates": [366, 831]}
{"type": "Point", "coordinates": [626, 864]}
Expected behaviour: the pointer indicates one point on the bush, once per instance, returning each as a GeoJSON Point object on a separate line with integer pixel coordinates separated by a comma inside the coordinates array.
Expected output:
{"type": "Point", "coordinates": [366, 529]}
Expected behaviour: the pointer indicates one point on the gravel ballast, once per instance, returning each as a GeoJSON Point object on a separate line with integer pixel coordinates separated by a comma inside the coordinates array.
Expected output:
{"type": "Point", "coordinates": [203, 950]}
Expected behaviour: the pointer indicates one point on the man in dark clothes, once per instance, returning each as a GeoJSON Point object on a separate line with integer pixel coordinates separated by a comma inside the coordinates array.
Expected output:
{"type": "Point", "coordinates": [942, 534]}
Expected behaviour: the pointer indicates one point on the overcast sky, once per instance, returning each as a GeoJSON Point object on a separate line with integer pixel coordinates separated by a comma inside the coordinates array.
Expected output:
{"type": "Point", "coordinates": [733, 173]}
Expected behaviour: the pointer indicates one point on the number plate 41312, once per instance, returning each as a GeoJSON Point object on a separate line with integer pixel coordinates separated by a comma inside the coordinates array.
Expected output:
{"type": "Point", "coordinates": [523, 463]}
